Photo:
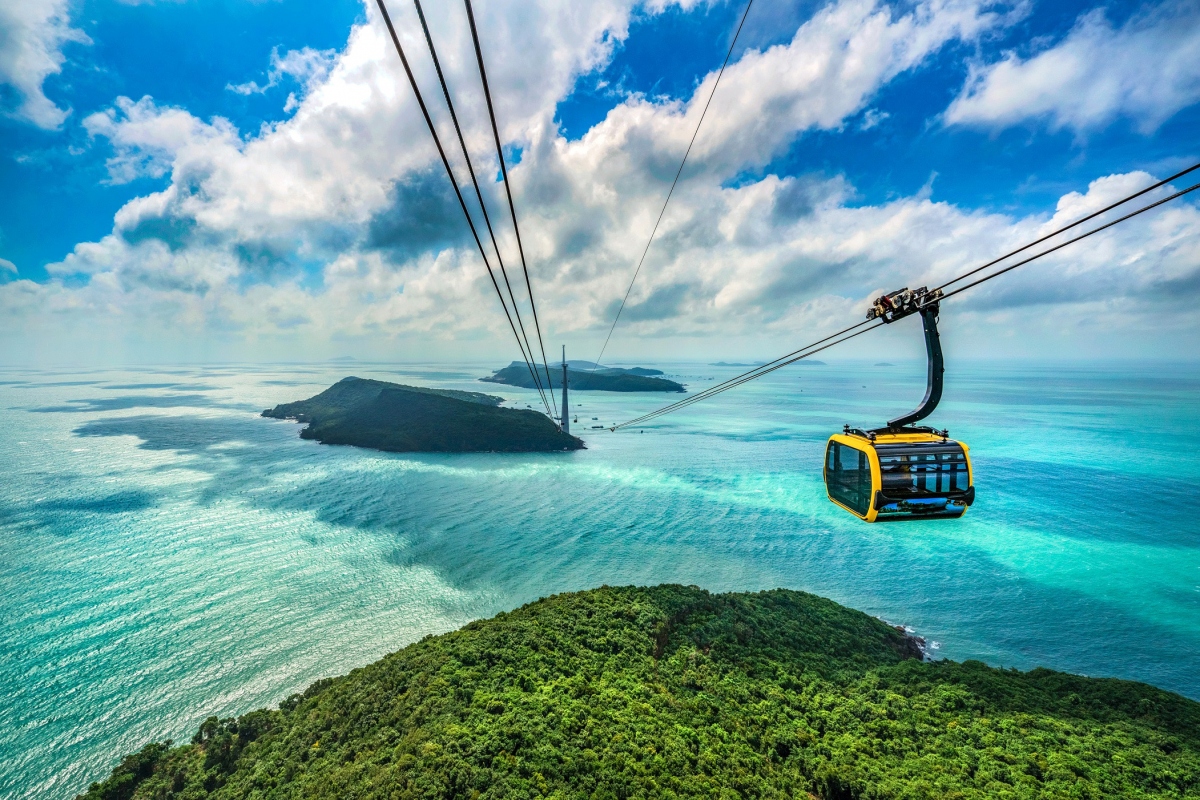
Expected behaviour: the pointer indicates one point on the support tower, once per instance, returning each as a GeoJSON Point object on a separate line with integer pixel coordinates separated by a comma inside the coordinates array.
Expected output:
{"type": "Point", "coordinates": [566, 420]}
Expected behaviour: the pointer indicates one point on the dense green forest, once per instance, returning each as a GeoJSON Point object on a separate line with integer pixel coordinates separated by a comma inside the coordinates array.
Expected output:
{"type": "Point", "coordinates": [406, 419]}
{"type": "Point", "coordinates": [605, 379]}
{"type": "Point", "coordinates": [675, 692]}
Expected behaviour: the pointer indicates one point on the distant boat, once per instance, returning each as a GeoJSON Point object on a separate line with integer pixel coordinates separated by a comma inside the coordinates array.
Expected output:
{"type": "Point", "coordinates": [884, 364]}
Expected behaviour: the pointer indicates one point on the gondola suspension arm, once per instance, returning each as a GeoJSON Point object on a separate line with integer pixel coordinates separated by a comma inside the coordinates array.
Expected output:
{"type": "Point", "coordinates": [904, 303]}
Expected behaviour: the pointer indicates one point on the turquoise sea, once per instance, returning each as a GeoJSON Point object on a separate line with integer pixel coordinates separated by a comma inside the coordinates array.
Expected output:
{"type": "Point", "coordinates": [167, 554]}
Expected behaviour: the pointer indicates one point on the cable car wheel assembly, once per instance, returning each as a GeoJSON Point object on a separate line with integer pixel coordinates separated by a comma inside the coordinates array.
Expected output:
{"type": "Point", "coordinates": [903, 471]}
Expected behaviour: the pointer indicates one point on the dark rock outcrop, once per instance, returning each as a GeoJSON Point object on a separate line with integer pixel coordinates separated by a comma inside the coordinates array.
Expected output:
{"type": "Point", "coordinates": [412, 419]}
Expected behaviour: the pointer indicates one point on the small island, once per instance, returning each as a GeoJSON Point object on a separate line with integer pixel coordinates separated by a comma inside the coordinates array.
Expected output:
{"type": "Point", "coordinates": [413, 419]}
{"type": "Point", "coordinates": [585, 378]}
{"type": "Point", "coordinates": [592, 366]}
{"type": "Point", "coordinates": [671, 691]}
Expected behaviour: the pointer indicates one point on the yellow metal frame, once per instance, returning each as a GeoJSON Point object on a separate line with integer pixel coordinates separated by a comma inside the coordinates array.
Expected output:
{"type": "Point", "coordinates": [865, 445]}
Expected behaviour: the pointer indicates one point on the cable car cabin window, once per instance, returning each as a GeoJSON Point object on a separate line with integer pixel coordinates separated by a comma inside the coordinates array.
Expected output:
{"type": "Point", "coordinates": [922, 469]}
{"type": "Point", "coordinates": [848, 476]}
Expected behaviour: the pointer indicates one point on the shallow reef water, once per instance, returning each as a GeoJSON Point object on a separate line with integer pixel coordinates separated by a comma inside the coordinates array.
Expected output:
{"type": "Point", "coordinates": [167, 554]}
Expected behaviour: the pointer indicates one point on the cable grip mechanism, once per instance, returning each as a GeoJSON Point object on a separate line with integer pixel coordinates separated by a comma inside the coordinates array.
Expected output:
{"type": "Point", "coordinates": [902, 303]}
{"type": "Point", "coordinates": [898, 305]}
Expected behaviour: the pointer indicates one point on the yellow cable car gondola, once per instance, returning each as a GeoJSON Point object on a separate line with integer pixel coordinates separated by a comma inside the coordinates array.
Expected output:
{"type": "Point", "coordinates": [903, 471]}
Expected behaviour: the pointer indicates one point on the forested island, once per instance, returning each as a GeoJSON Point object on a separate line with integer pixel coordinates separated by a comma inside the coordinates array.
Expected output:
{"type": "Point", "coordinates": [413, 419]}
{"type": "Point", "coordinates": [672, 691]}
{"type": "Point", "coordinates": [601, 379]}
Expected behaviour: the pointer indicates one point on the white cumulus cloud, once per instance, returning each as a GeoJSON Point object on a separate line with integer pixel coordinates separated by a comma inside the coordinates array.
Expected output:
{"type": "Point", "coordinates": [32, 35]}
{"type": "Point", "coordinates": [1145, 70]}
{"type": "Point", "coordinates": [339, 225]}
{"type": "Point", "coordinates": [149, 140]}
{"type": "Point", "coordinates": [306, 65]}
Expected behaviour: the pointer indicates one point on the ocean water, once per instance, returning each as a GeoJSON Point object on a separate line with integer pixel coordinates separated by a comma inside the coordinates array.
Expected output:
{"type": "Point", "coordinates": [167, 554]}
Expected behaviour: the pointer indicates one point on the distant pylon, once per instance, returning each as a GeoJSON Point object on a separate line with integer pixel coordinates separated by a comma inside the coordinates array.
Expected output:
{"type": "Point", "coordinates": [566, 420]}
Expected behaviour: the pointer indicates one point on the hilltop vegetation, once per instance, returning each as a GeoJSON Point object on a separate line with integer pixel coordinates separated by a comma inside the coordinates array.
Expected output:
{"type": "Point", "coordinates": [674, 692]}
{"type": "Point", "coordinates": [592, 366]}
{"type": "Point", "coordinates": [404, 419]}
{"type": "Point", "coordinates": [604, 379]}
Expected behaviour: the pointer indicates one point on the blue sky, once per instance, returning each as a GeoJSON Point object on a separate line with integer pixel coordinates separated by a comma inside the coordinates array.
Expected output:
{"type": "Point", "coordinates": [174, 115]}
{"type": "Point", "coordinates": [180, 53]}
{"type": "Point", "coordinates": [1024, 168]}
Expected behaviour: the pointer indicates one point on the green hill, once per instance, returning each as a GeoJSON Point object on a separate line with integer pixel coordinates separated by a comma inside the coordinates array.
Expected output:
{"type": "Point", "coordinates": [404, 419]}
{"type": "Point", "coordinates": [591, 366]}
{"type": "Point", "coordinates": [606, 379]}
{"type": "Point", "coordinates": [674, 692]}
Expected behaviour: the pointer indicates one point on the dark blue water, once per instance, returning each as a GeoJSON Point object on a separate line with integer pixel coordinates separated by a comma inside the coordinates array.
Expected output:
{"type": "Point", "coordinates": [166, 554]}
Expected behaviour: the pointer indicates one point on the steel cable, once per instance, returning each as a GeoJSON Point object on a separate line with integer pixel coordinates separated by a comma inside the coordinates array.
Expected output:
{"type": "Point", "coordinates": [1060, 246]}
{"type": "Point", "coordinates": [678, 172]}
{"type": "Point", "coordinates": [1066, 228]}
{"type": "Point", "coordinates": [437, 65]}
{"type": "Point", "coordinates": [738, 379]}
{"type": "Point", "coordinates": [779, 363]}
{"type": "Point", "coordinates": [487, 93]}
{"type": "Point", "coordinates": [807, 351]}
{"type": "Point", "coordinates": [453, 182]}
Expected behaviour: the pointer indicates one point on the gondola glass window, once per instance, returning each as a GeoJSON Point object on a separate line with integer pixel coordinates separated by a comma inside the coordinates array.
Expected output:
{"type": "Point", "coordinates": [908, 470]}
{"type": "Point", "coordinates": [849, 477]}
